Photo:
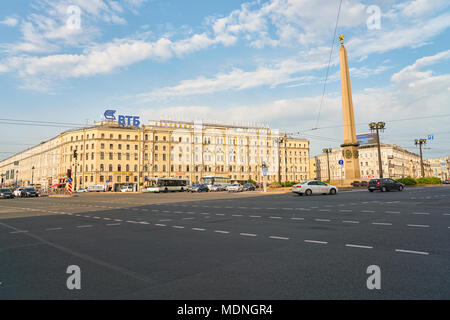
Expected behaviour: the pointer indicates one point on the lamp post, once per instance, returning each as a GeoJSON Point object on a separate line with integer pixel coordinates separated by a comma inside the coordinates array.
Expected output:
{"type": "Point", "coordinates": [377, 126]}
{"type": "Point", "coordinates": [328, 151]}
{"type": "Point", "coordinates": [17, 173]}
{"type": "Point", "coordinates": [32, 176]}
{"type": "Point", "coordinates": [420, 142]}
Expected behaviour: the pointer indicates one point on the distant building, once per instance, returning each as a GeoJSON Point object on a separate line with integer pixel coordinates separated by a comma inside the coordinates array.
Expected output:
{"type": "Point", "coordinates": [397, 162]}
{"type": "Point", "coordinates": [440, 167]}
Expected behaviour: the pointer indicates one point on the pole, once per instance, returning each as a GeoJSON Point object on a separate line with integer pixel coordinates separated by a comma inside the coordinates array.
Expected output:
{"type": "Point", "coordinates": [421, 161]}
{"type": "Point", "coordinates": [380, 165]}
{"type": "Point", "coordinates": [75, 177]}
{"type": "Point", "coordinates": [328, 163]}
{"type": "Point", "coordinates": [279, 160]}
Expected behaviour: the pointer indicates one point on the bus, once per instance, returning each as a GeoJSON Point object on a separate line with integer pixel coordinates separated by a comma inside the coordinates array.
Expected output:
{"type": "Point", "coordinates": [211, 180]}
{"type": "Point", "coordinates": [166, 184]}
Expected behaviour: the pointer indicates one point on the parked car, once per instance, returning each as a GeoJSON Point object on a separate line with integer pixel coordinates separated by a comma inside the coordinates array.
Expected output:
{"type": "Point", "coordinates": [249, 187]}
{"type": "Point", "coordinates": [235, 187]}
{"type": "Point", "coordinates": [360, 184]}
{"type": "Point", "coordinates": [313, 187]}
{"type": "Point", "coordinates": [6, 194]}
{"type": "Point", "coordinates": [30, 192]}
{"type": "Point", "coordinates": [446, 181]}
{"type": "Point", "coordinates": [18, 192]}
{"type": "Point", "coordinates": [385, 185]}
{"type": "Point", "coordinates": [199, 188]}
{"type": "Point", "coordinates": [82, 190]}
{"type": "Point", "coordinates": [216, 187]}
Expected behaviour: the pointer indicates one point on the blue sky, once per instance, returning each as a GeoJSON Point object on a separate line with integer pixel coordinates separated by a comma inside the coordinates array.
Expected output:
{"type": "Point", "coordinates": [259, 61]}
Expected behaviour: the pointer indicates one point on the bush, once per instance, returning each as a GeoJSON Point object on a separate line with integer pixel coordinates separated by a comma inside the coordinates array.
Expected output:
{"type": "Point", "coordinates": [251, 181]}
{"type": "Point", "coordinates": [429, 180]}
{"type": "Point", "coordinates": [407, 181]}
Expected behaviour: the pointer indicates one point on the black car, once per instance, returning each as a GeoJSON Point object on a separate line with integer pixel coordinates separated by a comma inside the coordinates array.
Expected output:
{"type": "Point", "coordinates": [29, 192]}
{"type": "Point", "coordinates": [6, 194]}
{"type": "Point", "coordinates": [446, 181]}
{"type": "Point", "coordinates": [199, 188]}
{"type": "Point", "coordinates": [385, 185]}
{"type": "Point", "coordinates": [249, 187]}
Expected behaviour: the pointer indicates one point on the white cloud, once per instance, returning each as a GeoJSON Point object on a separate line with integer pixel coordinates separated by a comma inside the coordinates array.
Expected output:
{"type": "Point", "coordinates": [10, 22]}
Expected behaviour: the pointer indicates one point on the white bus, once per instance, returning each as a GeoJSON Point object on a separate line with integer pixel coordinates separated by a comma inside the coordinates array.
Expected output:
{"type": "Point", "coordinates": [211, 180]}
{"type": "Point", "coordinates": [96, 188]}
{"type": "Point", "coordinates": [166, 184]}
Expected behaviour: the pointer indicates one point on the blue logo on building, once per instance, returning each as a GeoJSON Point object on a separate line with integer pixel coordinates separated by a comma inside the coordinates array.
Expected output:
{"type": "Point", "coordinates": [122, 120]}
{"type": "Point", "coordinates": [109, 114]}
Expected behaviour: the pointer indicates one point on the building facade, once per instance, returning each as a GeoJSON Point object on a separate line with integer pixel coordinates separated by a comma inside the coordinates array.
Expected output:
{"type": "Point", "coordinates": [440, 167]}
{"type": "Point", "coordinates": [113, 155]}
{"type": "Point", "coordinates": [397, 162]}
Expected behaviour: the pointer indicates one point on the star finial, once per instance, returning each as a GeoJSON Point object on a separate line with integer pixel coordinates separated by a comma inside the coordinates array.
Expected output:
{"type": "Point", "coordinates": [341, 38]}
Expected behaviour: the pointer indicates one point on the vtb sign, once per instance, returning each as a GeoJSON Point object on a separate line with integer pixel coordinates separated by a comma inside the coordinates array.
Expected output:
{"type": "Point", "coordinates": [122, 120]}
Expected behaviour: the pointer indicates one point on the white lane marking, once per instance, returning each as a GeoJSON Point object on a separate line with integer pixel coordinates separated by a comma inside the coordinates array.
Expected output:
{"type": "Point", "coordinates": [327, 210]}
{"type": "Point", "coordinates": [190, 212]}
{"type": "Point", "coordinates": [345, 210]}
{"type": "Point", "coordinates": [162, 220]}
{"type": "Point", "coordinates": [323, 220]}
{"type": "Point", "coordinates": [144, 222]}
{"type": "Point", "coordinates": [382, 223]}
{"type": "Point", "coordinates": [411, 251]}
{"type": "Point", "coordinates": [96, 217]}
{"type": "Point", "coordinates": [106, 219]}
{"type": "Point", "coordinates": [316, 241]}
{"type": "Point", "coordinates": [129, 221]}
{"type": "Point", "coordinates": [220, 214]}
{"type": "Point", "coordinates": [85, 226]}
{"type": "Point", "coordinates": [198, 229]}
{"type": "Point", "coordinates": [118, 220]}
{"type": "Point", "coordinates": [392, 211]}
{"type": "Point", "coordinates": [221, 231]}
{"type": "Point", "coordinates": [368, 211]}
{"type": "Point", "coordinates": [288, 208]}
{"type": "Point", "coordinates": [113, 224]}
{"type": "Point", "coordinates": [297, 218]}
{"type": "Point", "coordinates": [358, 246]}
{"type": "Point", "coordinates": [421, 213]}
{"type": "Point", "coordinates": [53, 229]}
{"type": "Point", "coordinates": [248, 234]}
{"type": "Point", "coordinates": [278, 238]}
{"type": "Point", "coordinates": [20, 231]}
{"type": "Point", "coordinates": [275, 218]}
{"type": "Point", "coordinates": [160, 225]}
{"type": "Point", "coordinates": [237, 215]}
{"type": "Point", "coordinates": [446, 214]}
{"type": "Point", "coordinates": [350, 221]}
{"type": "Point", "coordinates": [178, 227]}
{"type": "Point", "coordinates": [187, 218]}
{"type": "Point", "coordinates": [255, 216]}
{"type": "Point", "coordinates": [418, 225]}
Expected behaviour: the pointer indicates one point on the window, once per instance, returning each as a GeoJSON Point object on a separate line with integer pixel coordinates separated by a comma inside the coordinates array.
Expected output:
{"type": "Point", "coordinates": [120, 137]}
{"type": "Point", "coordinates": [111, 136]}
{"type": "Point", "coordinates": [135, 167]}
{"type": "Point", "coordinates": [135, 147]}
{"type": "Point", "coordinates": [119, 146]}
{"type": "Point", "coordinates": [111, 146]}
{"type": "Point", "coordinates": [119, 156]}
{"type": "Point", "coordinates": [110, 168]}
{"type": "Point", "coordinates": [127, 168]}
{"type": "Point", "coordinates": [102, 146]}
{"type": "Point", "coordinates": [119, 167]}
{"type": "Point", "coordinates": [103, 135]}
{"type": "Point", "coordinates": [110, 156]}
{"type": "Point", "coordinates": [102, 155]}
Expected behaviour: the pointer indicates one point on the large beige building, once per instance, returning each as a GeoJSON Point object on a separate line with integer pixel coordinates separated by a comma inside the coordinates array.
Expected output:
{"type": "Point", "coordinates": [112, 154]}
{"type": "Point", "coordinates": [440, 167]}
{"type": "Point", "coordinates": [397, 162]}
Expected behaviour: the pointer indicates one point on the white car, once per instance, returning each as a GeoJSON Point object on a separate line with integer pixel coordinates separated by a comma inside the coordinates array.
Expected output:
{"type": "Point", "coordinates": [126, 189]}
{"type": "Point", "coordinates": [313, 187]}
{"type": "Point", "coordinates": [236, 187]}
{"type": "Point", "coordinates": [18, 192]}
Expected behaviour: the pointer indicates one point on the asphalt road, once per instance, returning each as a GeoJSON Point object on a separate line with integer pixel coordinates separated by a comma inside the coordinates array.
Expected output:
{"type": "Point", "coordinates": [227, 246]}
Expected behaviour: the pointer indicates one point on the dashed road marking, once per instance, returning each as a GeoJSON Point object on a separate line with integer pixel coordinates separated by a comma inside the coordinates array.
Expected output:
{"type": "Point", "coordinates": [278, 238]}
{"type": "Point", "coordinates": [178, 227]}
{"type": "Point", "coordinates": [316, 241]}
{"type": "Point", "coordinates": [382, 223]}
{"type": "Point", "coordinates": [160, 225]}
{"type": "Point", "coordinates": [411, 251]}
{"type": "Point", "coordinates": [113, 224]}
{"type": "Point", "coordinates": [421, 213]}
{"type": "Point", "coordinates": [392, 211]}
{"type": "Point", "coordinates": [85, 226]}
{"type": "Point", "coordinates": [275, 218]}
{"type": "Point", "coordinates": [368, 211]}
{"type": "Point", "coordinates": [418, 225]}
{"type": "Point", "coordinates": [198, 229]}
{"type": "Point", "coordinates": [255, 216]}
{"type": "Point", "coordinates": [350, 221]}
{"type": "Point", "coordinates": [358, 246]}
{"type": "Point", "coordinates": [53, 229]}
{"type": "Point", "coordinates": [20, 231]}
{"type": "Point", "coordinates": [221, 231]}
{"type": "Point", "coordinates": [322, 220]}
{"type": "Point", "coordinates": [248, 234]}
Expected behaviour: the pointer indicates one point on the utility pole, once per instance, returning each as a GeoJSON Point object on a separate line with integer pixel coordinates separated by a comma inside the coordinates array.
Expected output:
{"type": "Point", "coordinates": [280, 140]}
{"type": "Point", "coordinates": [328, 151]}
{"type": "Point", "coordinates": [377, 127]}
{"type": "Point", "coordinates": [32, 175]}
{"type": "Point", "coordinates": [420, 142]}
{"type": "Point", "coordinates": [75, 156]}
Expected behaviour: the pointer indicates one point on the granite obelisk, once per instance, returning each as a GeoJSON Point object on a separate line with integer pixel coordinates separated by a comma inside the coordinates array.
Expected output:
{"type": "Point", "coordinates": [350, 145]}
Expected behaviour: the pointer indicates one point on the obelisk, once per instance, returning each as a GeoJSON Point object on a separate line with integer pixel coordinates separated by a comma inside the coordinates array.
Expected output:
{"type": "Point", "coordinates": [350, 145]}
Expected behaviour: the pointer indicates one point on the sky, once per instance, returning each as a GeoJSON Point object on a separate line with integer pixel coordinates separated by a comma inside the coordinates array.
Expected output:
{"type": "Point", "coordinates": [262, 61]}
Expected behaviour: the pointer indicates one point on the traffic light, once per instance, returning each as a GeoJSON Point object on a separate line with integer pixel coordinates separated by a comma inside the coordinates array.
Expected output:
{"type": "Point", "coordinates": [69, 173]}
{"type": "Point", "coordinates": [75, 154]}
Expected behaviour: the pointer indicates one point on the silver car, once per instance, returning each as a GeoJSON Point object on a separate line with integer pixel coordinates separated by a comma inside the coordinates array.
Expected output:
{"type": "Point", "coordinates": [236, 187]}
{"type": "Point", "coordinates": [313, 187]}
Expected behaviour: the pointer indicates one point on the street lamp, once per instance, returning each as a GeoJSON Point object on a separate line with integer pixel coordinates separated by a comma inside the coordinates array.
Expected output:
{"type": "Point", "coordinates": [32, 176]}
{"type": "Point", "coordinates": [328, 151]}
{"type": "Point", "coordinates": [377, 126]}
{"type": "Point", "coordinates": [17, 173]}
{"type": "Point", "coordinates": [420, 142]}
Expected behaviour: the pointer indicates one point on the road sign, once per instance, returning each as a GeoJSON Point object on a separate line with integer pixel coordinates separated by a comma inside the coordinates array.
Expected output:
{"type": "Point", "coordinates": [264, 173]}
{"type": "Point", "coordinates": [341, 162]}
{"type": "Point", "coordinates": [430, 137]}
{"type": "Point", "coordinates": [69, 180]}
{"type": "Point", "coordinates": [443, 164]}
